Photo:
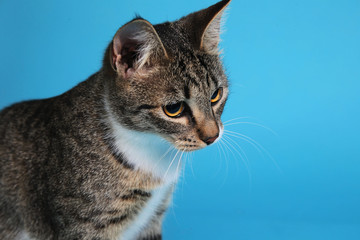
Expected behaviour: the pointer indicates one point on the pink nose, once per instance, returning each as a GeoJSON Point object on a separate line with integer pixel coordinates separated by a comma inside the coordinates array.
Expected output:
{"type": "Point", "coordinates": [210, 140]}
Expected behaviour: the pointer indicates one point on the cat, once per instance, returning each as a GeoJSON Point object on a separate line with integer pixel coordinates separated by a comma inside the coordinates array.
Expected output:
{"type": "Point", "coordinates": [101, 160]}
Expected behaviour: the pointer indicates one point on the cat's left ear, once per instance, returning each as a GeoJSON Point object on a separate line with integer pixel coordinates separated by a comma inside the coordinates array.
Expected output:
{"type": "Point", "coordinates": [135, 48]}
{"type": "Point", "coordinates": [204, 27]}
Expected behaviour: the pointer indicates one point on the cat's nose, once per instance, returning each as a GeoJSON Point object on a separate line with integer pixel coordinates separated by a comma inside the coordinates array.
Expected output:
{"type": "Point", "coordinates": [210, 140]}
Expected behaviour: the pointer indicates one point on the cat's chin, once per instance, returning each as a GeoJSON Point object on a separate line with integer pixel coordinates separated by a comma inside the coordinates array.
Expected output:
{"type": "Point", "coordinates": [186, 144]}
{"type": "Point", "coordinates": [190, 149]}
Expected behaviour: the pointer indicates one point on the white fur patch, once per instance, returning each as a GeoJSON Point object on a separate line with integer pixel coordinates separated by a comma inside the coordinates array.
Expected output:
{"type": "Point", "coordinates": [23, 236]}
{"type": "Point", "coordinates": [145, 216]}
{"type": "Point", "coordinates": [147, 152]}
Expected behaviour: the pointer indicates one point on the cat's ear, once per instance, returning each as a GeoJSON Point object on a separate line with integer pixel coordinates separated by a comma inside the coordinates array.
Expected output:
{"type": "Point", "coordinates": [135, 48]}
{"type": "Point", "coordinates": [204, 27]}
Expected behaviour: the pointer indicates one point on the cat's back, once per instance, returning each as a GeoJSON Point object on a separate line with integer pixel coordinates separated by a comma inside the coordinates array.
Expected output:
{"type": "Point", "coordinates": [20, 125]}
{"type": "Point", "coordinates": [35, 135]}
{"type": "Point", "coordinates": [37, 121]}
{"type": "Point", "coordinates": [22, 131]}
{"type": "Point", "coordinates": [23, 126]}
{"type": "Point", "coordinates": [21, 118]}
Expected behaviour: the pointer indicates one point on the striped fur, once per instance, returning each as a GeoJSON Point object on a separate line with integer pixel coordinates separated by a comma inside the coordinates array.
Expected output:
{"type": "Point", "coordinates": [97, 162]}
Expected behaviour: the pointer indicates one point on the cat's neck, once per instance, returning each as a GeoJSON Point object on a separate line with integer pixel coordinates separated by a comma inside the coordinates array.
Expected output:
{"type": "Point", "coordinates": [146, 152]}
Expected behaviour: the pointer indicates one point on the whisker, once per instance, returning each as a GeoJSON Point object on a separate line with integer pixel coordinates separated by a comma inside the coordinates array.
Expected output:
{"type": "Point", "coordinates": [254, 143]}
{"type": "Point", "coordinates": [242, 156]}
{"type": "Point", "coordinates": [172, 161]}
{"type": "Point", "coordinates": [252, 123]}
{"type": "Point", "coordinates": [178, 164]}
{"type": "Point", "coordinates": [167, 151]}
{"type": "Point", "coordinates": [226, 162]}
{"type": "Point", "coordinates": [170, 150]}
{"type": "Point", "coordinates": [186, 159]}
{"type": "Point", "coordinates": [227, 139]}
{"type": "Point", "coordinates": [240, 148]}
{"type": "Point", "coordinates": [227, 146]}
{"type": "Point", "coordinates": [191, 166]}
{"type": "Point", "coordinates": [233, 119]}
{"type": "Point", "coordinates": [224, 153]}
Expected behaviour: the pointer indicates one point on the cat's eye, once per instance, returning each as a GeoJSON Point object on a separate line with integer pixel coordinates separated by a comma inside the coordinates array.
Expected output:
{"type": "Point", "coordinates": [216, 96]}
{"type": "Point", "coordinates": [174, 110]}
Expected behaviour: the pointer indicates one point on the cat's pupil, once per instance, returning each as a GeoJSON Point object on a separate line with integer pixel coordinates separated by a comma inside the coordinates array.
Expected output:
{"type": "Point", "coordinates": [174, 110]}
{"type": "Point", "coordinates": [215, 94]}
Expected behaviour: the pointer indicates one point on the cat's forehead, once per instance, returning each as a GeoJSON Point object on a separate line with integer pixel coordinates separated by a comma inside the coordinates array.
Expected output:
{"type": "Point", "coordinates": [199, 71]}
{"type": "Point", "coordinates": [189, 81]}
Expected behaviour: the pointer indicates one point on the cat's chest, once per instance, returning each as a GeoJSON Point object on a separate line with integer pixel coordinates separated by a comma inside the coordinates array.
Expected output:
{"type": "Point", "coordinates": [158, 200]}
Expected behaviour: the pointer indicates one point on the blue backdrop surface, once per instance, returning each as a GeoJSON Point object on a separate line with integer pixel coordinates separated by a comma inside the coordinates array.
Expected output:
{"type": "Point", "coordinates": [289, 166]}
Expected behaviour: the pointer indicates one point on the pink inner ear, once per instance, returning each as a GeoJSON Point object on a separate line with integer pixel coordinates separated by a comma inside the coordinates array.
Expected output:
{"type": "Point", "coordinates": [119, 58]}
{"type": "Point", "coordinates": [132, 46]}
{"type": "Point", "coordinates": [124, 54]}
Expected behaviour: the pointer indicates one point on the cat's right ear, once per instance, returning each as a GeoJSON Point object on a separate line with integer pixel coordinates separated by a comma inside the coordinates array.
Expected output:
{"type": "Point", "coordinates": [135, 48]}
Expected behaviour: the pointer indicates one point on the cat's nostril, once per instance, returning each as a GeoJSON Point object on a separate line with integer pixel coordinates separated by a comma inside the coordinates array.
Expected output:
{"type": "Point", "coordinates": [210, 140]}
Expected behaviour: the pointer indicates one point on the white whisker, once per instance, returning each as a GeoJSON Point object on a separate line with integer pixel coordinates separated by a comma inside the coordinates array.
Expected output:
{"type": "Point", "coordinates": [252, 123]}
{"type": "Point", "coordinates": [242, 156]}
{"type": "Point", "coordinates": [169, 150]}
{"type": "Point", "coordinates": [227, 139]}
{"type": "Point", "coordinates": [226, 162]}
{"type": "Point", "coordinates": [235, 119]}
{"type": "Point", "coordinates": [186, 158]}
{"type": "Point", "coordinates": [178, 164]}
{"type": "Point", "coordinates": [191, 166]}
{"type": "Point", "coordinates": [172, 161]}
{"type": "Point", "coordinates": [223, 152]}
{"type": "Point", "coordinates": [254, 143]}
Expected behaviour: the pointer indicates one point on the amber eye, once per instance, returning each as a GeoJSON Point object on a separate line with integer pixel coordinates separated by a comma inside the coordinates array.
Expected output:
{"type": "Point", "coordinates": [174, 110]}
{"type": "Point", "coordinates": [216, 96]}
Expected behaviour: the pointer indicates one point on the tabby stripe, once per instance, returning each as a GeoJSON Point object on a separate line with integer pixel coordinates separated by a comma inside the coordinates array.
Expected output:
{"type": "Point", "coordinates": [216, 83]}
{"type": "Point", "coordinates": [161, 211]}
{"type": "Point", "coordinates": [117, 219]}
{"type": "Point", "coordinates": [136, 194]}
{"type": "Point", "coordinates": [212, 76]}
{"type": "Point", "coordinates": [152, 237]}
{"type": "Point", "coordinates": [118, 156]}
{"type": "Point", "coordinates": [207, 80]}
{"type": "Point", "coordinates": [112, 221]}
{"type": "Point", "coordinates": [192, 117]}
{"type": "Point", "coordinates": [146, 106]}
{"type": "Point", "coordinates": [184, 71]}
{"type": "Point", "coordinates": [186, 92]}
{"type": "Point", "coordinates": [96, 213]}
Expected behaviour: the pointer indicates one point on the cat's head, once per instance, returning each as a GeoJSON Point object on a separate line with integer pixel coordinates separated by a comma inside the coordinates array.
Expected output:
{"type": "Point", "coordinates": [168, 79]}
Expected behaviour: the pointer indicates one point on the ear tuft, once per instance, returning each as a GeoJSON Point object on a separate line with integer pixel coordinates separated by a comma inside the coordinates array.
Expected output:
{"type": "Point", "coordinates": [204, 27]}
{"type": "Point", "coordinates": [135, 46]}
{"type": "Point", "coordinates": [211, 37]}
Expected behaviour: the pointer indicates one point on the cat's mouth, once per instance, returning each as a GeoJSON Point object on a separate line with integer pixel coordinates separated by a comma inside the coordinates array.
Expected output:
{"type": "Point", "coordinates": [194, 143]}
{"type": "Point", "coordinates": [189, 147]}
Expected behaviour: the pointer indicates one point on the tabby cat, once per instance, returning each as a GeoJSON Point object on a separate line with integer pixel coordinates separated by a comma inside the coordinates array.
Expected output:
{"type": "Point", "coordinates": [100, 161]}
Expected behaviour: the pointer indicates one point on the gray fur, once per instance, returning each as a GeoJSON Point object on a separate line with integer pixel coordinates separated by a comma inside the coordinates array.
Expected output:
{"type": "Point", "coordinates": [60, 177]}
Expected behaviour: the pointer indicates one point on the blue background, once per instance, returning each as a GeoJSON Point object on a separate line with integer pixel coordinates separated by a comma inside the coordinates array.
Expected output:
{"type": "Point", "coordinates": [294, 69]}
